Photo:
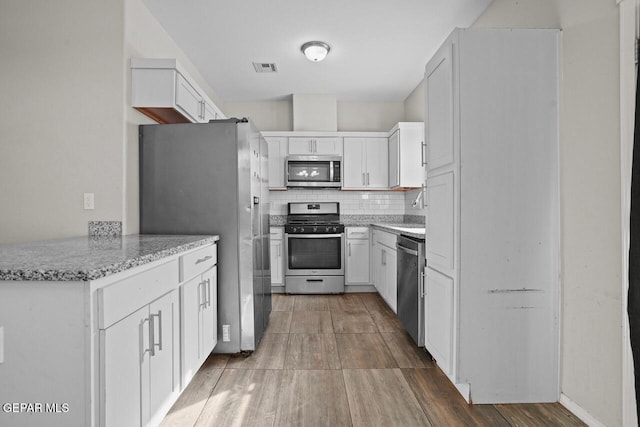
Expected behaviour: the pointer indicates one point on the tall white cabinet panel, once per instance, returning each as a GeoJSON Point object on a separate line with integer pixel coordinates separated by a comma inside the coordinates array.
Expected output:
{"type": "Point", "coordinates": [439, 126]}
{"type": "Point", "coordinates": [441, 225]}
{"type": "Point", "coordinates": [492, 210]}
{"type": "Point", "coordinates": [277, 155]}
{"type": "Point", "coordinates": [439, 318]}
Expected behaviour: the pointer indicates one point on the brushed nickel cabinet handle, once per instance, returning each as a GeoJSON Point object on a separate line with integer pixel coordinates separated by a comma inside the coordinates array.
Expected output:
{"type": "Point", "coordinates": [207, 258]}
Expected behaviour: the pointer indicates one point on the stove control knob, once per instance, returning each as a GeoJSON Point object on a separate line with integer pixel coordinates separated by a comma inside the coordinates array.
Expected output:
{"type": "Point", "coordinates": [315, 229]}
{"type": "Point", "coordinates": [335, 229]}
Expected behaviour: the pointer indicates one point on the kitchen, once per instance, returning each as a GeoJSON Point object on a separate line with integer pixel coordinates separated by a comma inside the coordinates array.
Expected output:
{"type": "Point", "coordinates": [78, 73]}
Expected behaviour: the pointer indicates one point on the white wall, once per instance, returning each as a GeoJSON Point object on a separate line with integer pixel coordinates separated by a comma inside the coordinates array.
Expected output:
{"type": "Point", "coordinates": [352, 115]}
{"type": "Point", "coordinates": [66, 126]}
{"type": "Point", "coordinates": [414, 105]}
{"type": "Point", "coordinates": [145, 37]}
{"type": "Point", "coordinates": [266, 115]}
{"type": "Point", "coordinates": [591, 312]}
{"type": "Point", "coordinates": [369, 116]}
{"type": "Point", "coordinates": [61, 125]}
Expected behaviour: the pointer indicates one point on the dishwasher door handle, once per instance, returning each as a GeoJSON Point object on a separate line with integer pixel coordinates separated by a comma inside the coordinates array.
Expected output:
{"type": "Point", "coordinates": [406, 249]}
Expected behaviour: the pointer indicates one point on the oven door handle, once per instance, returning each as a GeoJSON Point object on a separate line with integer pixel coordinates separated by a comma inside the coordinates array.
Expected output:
{"type": "Point", "coordinates": [315, 236]}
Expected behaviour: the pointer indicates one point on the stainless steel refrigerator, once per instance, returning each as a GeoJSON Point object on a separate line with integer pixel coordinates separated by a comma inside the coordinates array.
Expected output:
{"type": "Point", "coordinates": [212, 178]}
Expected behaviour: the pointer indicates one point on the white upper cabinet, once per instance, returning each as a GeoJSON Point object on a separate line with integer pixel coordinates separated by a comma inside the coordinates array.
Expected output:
{"type": "Point", "coordinates": [406, 155]}
{"type": "Point", "coordinates": [277, 155]}
{"type": "Point", "coordinates": [366, 165]}
{"type": "Point", "coordinates": [164, 91]}
{"type": "Point", "coordinates": [439, 114]}
{"type": "Point", "coordinates": [315, 145]}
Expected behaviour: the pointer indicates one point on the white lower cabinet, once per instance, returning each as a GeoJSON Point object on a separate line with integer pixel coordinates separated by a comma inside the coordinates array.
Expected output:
{"type": "Point", "coordinates": [138, 364]}
{"type": "Point", "coordinates": [156, 328]}
{"type": "Point", "coordinates": [358, 263]}
{"type": "Point", "coordinates": [385, 262]}
{"type": "Point", "coordinates": [439, 318]}
{"type": "Point", "coordinates": [276, 245]}
{"type": "Point", "coordinates": [199, 328]}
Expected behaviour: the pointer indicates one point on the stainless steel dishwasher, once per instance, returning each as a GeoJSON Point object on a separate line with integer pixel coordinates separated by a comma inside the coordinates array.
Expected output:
{"type": "Point", "coordinates": [411, 286]}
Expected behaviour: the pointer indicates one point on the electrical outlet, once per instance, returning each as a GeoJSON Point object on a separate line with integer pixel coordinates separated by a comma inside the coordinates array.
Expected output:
{"type": "Point", "coordinates": [89, 201]}
{"type": "Point", "coordinates": [225, 333]}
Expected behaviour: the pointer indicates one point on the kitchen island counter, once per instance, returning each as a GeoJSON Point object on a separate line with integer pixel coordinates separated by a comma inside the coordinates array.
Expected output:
{"type": "Point", "coordinates": [90, 257]}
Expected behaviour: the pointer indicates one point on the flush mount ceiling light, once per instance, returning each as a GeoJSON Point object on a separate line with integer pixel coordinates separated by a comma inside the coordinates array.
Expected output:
{"type": "Point", "coordinates": [315, 51]}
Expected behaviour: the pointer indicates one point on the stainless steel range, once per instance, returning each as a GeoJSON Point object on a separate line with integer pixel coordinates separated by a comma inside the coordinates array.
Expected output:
{"type": "Point", "coordinates": [314, 246]}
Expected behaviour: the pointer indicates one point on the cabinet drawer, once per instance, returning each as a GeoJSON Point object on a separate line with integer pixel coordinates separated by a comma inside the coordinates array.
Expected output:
{"type": "Point", "coordinates": [386, 239]}
{"type": "Point", "coordinates": [118, 300]}
{"type": "Point", "coordinates": [197, 262]}
{"type": "Point", "coordinates": [276, 233]}
{"type": "Point", "coordinates": [357, 232]}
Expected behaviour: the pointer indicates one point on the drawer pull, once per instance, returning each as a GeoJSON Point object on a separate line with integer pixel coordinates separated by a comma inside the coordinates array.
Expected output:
{"type": "Point", "coordinates": [207, 258]}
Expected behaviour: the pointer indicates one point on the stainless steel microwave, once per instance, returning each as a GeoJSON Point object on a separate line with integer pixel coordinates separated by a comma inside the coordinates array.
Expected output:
{"type": "Point", "coordinates": [314, 171]}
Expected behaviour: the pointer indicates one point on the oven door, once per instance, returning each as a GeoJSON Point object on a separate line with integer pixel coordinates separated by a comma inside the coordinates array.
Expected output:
{"type": "Point", "coordinates": [314, 254]}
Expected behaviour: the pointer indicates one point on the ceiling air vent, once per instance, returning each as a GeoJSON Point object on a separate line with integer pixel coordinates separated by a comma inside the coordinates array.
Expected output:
{"type": "Point", "coordinates": [265, 67]}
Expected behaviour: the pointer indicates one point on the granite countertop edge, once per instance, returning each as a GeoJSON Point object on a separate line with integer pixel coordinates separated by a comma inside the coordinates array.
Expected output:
{"type": "Point", "coordinates": [108, 268]}
{"type": "Point", "coordinates": [393, 228]}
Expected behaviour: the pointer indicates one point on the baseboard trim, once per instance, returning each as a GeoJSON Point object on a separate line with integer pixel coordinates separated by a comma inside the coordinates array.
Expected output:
{"type": "Point", "coordinates": [352, 289]}
{"type": "Point", "coordinates": [579, 411]}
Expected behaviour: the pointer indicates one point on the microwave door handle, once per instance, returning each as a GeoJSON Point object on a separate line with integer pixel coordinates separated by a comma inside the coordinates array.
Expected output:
{"type": "Point", "coordinates": [331, 171]}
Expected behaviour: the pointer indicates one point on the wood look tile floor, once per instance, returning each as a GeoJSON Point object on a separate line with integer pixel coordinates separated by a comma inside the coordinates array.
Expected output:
{"type": "Point", "coordinates": [339, 360]}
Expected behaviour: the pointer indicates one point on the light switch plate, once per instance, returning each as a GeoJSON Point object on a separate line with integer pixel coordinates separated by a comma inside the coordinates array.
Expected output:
{"type": "Point", "coordinates": [225, 333]}
{"type": "Point", "coordinates": [89, 201]}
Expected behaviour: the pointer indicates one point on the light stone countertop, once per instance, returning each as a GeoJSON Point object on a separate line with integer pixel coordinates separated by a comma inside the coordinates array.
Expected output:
{"type": "Point", "coordinates": [413, 230]}
{"type": "Point", "coordinates": [90, 257]}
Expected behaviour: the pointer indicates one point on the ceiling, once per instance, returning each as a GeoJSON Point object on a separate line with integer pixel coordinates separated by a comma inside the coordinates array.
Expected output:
{"type": "Point", "coordinates": [378, 47]}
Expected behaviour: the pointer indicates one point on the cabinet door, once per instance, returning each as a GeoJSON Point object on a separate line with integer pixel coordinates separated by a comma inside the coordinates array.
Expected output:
{"type": "Point", "coordinates": [188, 100]}
{"type": "Point", "coordinates": [208, 313]}
{"type": "Point", "coordinates": [190, 303]}
{"type": "Point", "coordinates": [441, 224]}
{"type": "Point", "coordinates": [439, 318]}
{"type": "Point", "coordinates": [277, 154]}
{"type": "Point", "coordinates": [164, 382]}
{"type": "Point", "coordinates": [353, 169]}
{"type": "Point", "coordinates": [276, 262]}
{"type": "Point", "coordinates": [327, 146]}
{"type": "Point", "coordinates": [439, 114]}
{"type": "Point", "coordinates": [394, 159]}
{"type": "Point", "coordinates": [124, 349]}
{"type": "Point", "coordinates": [377, 154]}
{"type": "Point", "coordinates": [209, 112]}
{"type": "Point", "coordinates": [299, 145]}
{"type": "Point", "coordinates": [358, 261]}
{"type": "Point", "coordinates": [391, 264]}
{"type": "Point", "coordinates": [380, 270]}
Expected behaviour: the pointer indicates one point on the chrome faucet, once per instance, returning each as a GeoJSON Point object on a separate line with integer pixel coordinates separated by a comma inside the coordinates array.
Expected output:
{"type": "Point", "coordinates": [418, 197]}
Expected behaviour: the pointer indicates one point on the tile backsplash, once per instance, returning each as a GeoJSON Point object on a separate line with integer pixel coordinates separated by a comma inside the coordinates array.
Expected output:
{"type": "Point", "coordinates": [351, 202]}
